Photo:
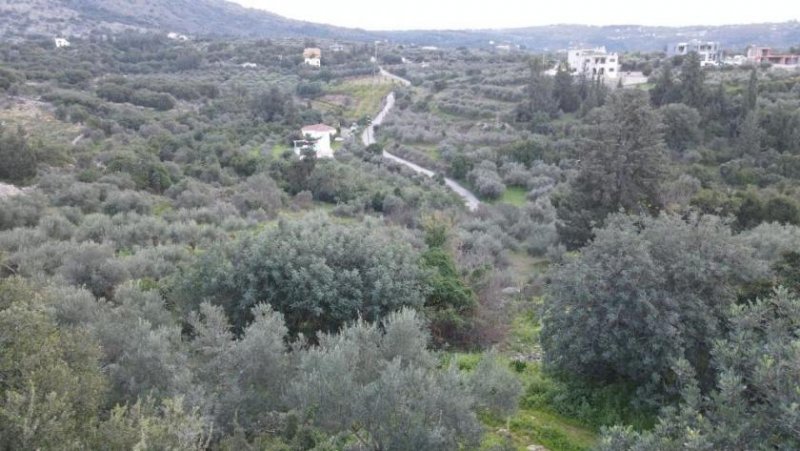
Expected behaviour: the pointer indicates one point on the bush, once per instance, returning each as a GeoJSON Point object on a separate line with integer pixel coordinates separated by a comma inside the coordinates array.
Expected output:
{"type": "Point", "coordinates": [17, 156]}
{"type": "Point", "coordinates": [644, 293]}
{"type": "Point", "coordinates": [317, 273]}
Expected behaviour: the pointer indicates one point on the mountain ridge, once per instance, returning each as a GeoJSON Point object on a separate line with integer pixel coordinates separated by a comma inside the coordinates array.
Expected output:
{"type": "Point", "coordinates": [226, 18]}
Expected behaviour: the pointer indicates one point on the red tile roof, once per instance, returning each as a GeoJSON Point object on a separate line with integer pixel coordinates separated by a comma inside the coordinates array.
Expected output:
{"type": "Point", "coordinates": [320, 128]}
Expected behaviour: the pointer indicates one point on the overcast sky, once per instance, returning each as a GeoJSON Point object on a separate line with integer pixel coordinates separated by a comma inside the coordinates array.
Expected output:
{"type": "Point", "coordinates": [462, 14]}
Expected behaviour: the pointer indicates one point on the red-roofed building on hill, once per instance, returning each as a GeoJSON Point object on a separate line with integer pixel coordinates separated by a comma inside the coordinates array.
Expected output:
{"type": "Point", "coordinates": [760, 55]}
{"type": "Point", "coordinates": [312, 56]}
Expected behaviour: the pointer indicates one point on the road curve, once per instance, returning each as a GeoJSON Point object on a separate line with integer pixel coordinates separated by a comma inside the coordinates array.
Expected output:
{"type": "Point", "coordinates": [368, 137]}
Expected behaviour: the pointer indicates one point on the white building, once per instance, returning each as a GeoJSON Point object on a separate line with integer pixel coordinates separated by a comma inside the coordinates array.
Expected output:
{"type": "Point", "coordinates": [248, 65]}
{"type": "Point", "coordinates": [319, 136]}
{"type": "Point", "coordinates": [61, 42]}
{"type": "Point", "coordinates": [710, 52]}
{"type": "Point", "coordinates": [735, 60]}
{"type": "Point", "coordinates": [177, 37]}
{"type": "Point", "coordinates": [593, 62]}
{"type": "Point", "coordinates": [312, 56]}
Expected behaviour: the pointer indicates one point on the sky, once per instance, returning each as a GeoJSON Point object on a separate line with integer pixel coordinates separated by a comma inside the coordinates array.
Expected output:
{"type": "Point", "coordinates": [470, 14]}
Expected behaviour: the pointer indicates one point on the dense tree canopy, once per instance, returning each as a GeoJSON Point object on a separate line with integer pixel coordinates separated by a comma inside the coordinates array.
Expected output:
{"type": "Point", "coordinates": [756, 394]}
{"type": "Point", "coordinates": [622, 168]}
{"type": "Point", "coordinates": [319, 274]}
{"type": "Point", "coordinates": [646, 292]}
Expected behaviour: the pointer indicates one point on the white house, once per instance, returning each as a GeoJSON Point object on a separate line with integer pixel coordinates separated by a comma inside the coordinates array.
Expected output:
{"type": "Point", "coordinates": [312, 56]}
{"type": "Point", "coordinates": [710, 52]}
{"type": "Point", "coordinates": [593, 62]}
{"type": "Point", "coordinates": [318, 135]}
{"type": "Point", "coordinates": [61, 42]}
{"type": "Point", "coordinates": [177, 37]}
{"type": "Point", "coordinates": [248, 65]}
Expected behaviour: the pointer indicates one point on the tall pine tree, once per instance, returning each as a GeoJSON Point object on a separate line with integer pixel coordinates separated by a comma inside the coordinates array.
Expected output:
{"type": "Point", "coordinates": [622, 168]}
{"type": "Point", "coordinates": [692, 86]}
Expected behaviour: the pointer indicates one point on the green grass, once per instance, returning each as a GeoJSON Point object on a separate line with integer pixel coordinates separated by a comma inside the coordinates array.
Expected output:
{"type": "Point", "coordinates": [366, 94]}
{"type": "Point", "coordinates": [524, 334]}
{"type": "Point", "coordinates": [278, 150]}
{"type": "Point", "coordinates": [537, 426]}
{"type": "Point", "coordinates": [432, 151]}
{"type": "Point", "coordinates": [514, 195]}
{"type": "Point", "coordinates": [529, 425]}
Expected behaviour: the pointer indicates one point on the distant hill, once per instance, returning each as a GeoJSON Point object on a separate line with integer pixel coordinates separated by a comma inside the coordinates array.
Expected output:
{"type": "Point", "coordinates": [220, 17]}
{"type": "Point", "coordinates": [193, 17]}
{"type": "Point", "coordinates": [615, 37]}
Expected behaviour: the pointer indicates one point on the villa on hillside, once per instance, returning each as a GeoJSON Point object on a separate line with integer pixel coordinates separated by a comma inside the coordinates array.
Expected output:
{"type": "Point", "coordinates": [312, 56]}
{"type": "Point", "coordinates": [710, 52]}
{"type": "Point", "coordinates": [758, 55]}
{"type": "Point", "coordinates": [61, 42]}
{"type": "Point", "coordinates": [318, 136]}
{"type": "Point", "coordinates": [593, 62]}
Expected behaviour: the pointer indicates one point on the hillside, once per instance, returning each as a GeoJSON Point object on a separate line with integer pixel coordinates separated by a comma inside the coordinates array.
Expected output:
{"type": "Point", "coordinates": [197, 17]}
{"type": "Point", "coordinates": [615, 37]}
{"type": "Point", "coordinates": [224, 18]}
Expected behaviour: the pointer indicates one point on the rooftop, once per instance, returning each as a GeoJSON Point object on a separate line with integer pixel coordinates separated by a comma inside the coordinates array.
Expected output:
{"type": "Point", "coordinates": [321, 128]}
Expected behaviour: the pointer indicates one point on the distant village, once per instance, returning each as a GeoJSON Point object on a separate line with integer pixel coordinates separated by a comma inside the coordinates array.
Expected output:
{"type": "Point", "coordinates": [591, 62]}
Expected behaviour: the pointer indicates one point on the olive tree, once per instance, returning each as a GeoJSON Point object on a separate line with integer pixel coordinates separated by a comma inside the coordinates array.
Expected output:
{"type": "Point", "coordinates": [754, 403]}
{"type": "Point", "coordinates": [646, 292]}
{"type": "Point", "coordinates": [318, 273]}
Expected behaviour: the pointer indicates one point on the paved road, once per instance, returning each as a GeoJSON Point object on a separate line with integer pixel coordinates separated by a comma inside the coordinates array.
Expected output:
{"type": "Point", "coordinates": [368, 137]}
{"type": "Point", "coordinates": [394, 77]}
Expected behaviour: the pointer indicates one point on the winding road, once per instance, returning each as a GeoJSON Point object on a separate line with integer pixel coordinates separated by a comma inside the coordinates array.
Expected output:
{"type": "Point", "coordinates": [368, 137]}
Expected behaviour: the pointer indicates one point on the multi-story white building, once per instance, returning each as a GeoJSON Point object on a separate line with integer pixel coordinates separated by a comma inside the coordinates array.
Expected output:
{"type": "Point", "coordinates": [593, 62]}
{"type": "Point", "coordinates": [61, 42]}
{"type": "Point", "coordinates": [710, 52]}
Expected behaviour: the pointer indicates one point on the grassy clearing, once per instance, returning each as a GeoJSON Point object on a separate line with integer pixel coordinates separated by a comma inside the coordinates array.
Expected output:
{"type": "Point", "coordinates": [366, 95]}
{"type": "Point", "coordinates": [529, 425]}
{"type": "Point", "coordinates": [432, 151]}
{"type": "Point", "coordinates": [278, 150]}
{"type": "Point", "coordinates": [39, 123]}
{"type": "Point", "coordinates": [537, 427]}
{"type": "Point", "coordinates": [514, 195]}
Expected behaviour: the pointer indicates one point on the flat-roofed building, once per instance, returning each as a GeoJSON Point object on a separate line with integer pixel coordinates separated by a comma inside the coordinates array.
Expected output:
{"type": "Point", "coordinates": [595, 62]}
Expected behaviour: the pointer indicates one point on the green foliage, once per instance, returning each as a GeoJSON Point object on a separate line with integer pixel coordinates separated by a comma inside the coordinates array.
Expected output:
{"type": "Point", "coordinates": [317, 273]}
{"type": "Point", "coordinates": [692, 86]}
{"type": "Point", "coordinates": [450, 303]}
{"type": "Point", "coordinates": [52, 384]}
{"type": "Point", "coordinates": [565, 92]}
{"type": "Point", "coordinates": [385, 389]}
{"type": "Point", "coordinates": [665, 91]}
{"type": "Point", "coordinates": [273, 106]}
{"type": "Point", "coordinates": [540, 103]}
{"type": "Point", "coordinates": [622, 168]}
{"type": "Point", "coordinates": [756, 394]}
{"type": "Point", "coordinates": [645, 292]}
{"type": "Point", "coordinates": [17, 155]}
{"type": "Point", "coordinates": [595, 405]}
{"type": "Point", "coordinates": [681, 126]}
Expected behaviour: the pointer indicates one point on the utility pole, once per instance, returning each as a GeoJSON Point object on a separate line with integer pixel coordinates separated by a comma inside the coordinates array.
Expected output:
{"type": "Point", "coordinates": [376, 62]}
